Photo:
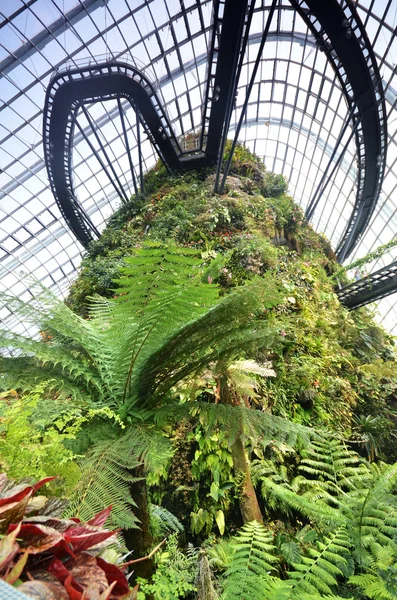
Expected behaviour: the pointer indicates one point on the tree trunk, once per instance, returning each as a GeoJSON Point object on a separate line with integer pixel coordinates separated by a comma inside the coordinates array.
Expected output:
{"type": "Point", "coordinates": [249, 505]}
{"type": "Point", "coordinates": [140, 540]}
{"type": "Point", "coordinates": [248, 500]}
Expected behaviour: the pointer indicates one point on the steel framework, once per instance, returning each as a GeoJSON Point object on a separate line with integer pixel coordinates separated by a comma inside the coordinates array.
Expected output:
{"type": "Point", "coordinates": [295, 112]}
{"type": "Point", "coordinates": [340, 35]}
{"type": "Point", "coordinates": [375, 286]}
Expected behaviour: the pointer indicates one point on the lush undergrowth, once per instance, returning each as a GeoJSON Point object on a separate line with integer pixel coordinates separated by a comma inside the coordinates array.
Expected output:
{"type": "Point", "coordinates": [220, 393]}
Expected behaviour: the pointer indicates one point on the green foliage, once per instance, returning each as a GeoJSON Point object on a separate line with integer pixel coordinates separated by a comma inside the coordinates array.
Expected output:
{"type": "Point", "coordinates": [34, 447]}
{"type": "Point", "coordinates": [253, 425]}
{"type": "Point", "coordinates": [175, 574]}
{"type": "Point", "coordinates": [318, 572]}
{"type": "Point", "coordinates": [131, 344]}
{"type": "Point", "coordinates": [274, 185]}
{"type": "Point", "coordinates": [380, 583]}
{"type": "Point", "coordinates": [252, 284]}
{"type": "Point", "coordinates": [253, 557]}
{"type": "Point", "coordinates": [344, 491]}
{"type": "Point", "coordinates": [164, 324]}
{"type": "Point", "coordinates": [332, 466]}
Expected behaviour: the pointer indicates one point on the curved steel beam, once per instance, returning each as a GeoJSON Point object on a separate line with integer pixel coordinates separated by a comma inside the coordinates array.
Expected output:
{"type": "Point", "coordinates": [72, 88]}
{"type": "Point", "coordinates": [373, 287]}
{"type": "Point", "coordinates": [342, 37]}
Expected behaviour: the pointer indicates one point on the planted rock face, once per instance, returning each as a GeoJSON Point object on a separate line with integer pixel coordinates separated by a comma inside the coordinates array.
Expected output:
{"type": "Point", "coordinates": [256, 229]}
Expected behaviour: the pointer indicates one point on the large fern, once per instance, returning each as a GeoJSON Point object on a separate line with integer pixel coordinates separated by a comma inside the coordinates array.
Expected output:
{"type": "Point", "coordinates": [326, 561]}
{"type": "Point", "coordinates": [344, 491]}
{"type": "Point", "coordinates": [253, 558]}
{"type": "Point", "coordinates": [163, 325]}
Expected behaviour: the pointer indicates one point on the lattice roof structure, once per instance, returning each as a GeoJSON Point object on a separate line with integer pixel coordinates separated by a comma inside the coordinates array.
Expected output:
{"type": "Point", "coordinates": [305, 115]}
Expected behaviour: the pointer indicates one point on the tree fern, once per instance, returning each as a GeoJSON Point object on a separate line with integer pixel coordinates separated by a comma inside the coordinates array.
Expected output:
{"type": "Point", "coordinates": [160, 290]}
{"type": "Point", "coordinates": [253, 558]}
{"type": "Point", "coordinates": [164, 325]}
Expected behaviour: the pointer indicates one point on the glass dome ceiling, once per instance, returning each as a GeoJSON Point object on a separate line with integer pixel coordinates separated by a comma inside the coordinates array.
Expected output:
{"type": "Point", "coordinates": [294, 117]}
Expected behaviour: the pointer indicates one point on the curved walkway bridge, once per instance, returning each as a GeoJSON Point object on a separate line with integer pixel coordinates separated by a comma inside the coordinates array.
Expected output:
{"type": "Point", "coordinates": [373, 287]}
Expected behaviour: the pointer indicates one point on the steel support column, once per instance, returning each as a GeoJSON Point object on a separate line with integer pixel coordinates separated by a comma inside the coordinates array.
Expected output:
{"type": "Point", "coordinates": [247, 97]}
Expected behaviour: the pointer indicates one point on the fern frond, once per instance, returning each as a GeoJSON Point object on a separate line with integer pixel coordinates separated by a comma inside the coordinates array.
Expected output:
{"type": "Point", "coordinates": [160, 290]}
{"type": "Point", "coordinates": [374, 508]}
{"type": "Point", "coordinates": [59, 361]}
{"type": "Point", "coordinates": [220, 333]}
{"type": "Point", "coordinates": [165, 521]}
{"type": "Point", "coordinates": [318, 572]}
{"type": "Point", "coordinates": [318, 511]}
{"type": "Point", "coordinates": [334, 464]}
{"type": "Point", "coordinates": [253, 425]}
{"type": "Point", "coordinates": [106, 480]}
{"type": "Point", "coordinates": [277, 589]}
{"type": "Point", "coordinates": [374, 587]}
{"type": "Point", "coordinates": [252, 559]}
{"type": "Point", "coordinates": [149, 446]}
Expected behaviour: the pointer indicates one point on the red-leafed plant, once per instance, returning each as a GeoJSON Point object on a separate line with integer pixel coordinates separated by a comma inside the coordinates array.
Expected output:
{"type": "Point", "coordinates": [53, 558]}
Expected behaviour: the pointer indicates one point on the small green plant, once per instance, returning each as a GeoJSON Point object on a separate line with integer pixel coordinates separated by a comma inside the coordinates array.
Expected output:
{"type": "Point", "coordinates": [175, 573]}
{"type": "Point", "coordinates": [34, 432]}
